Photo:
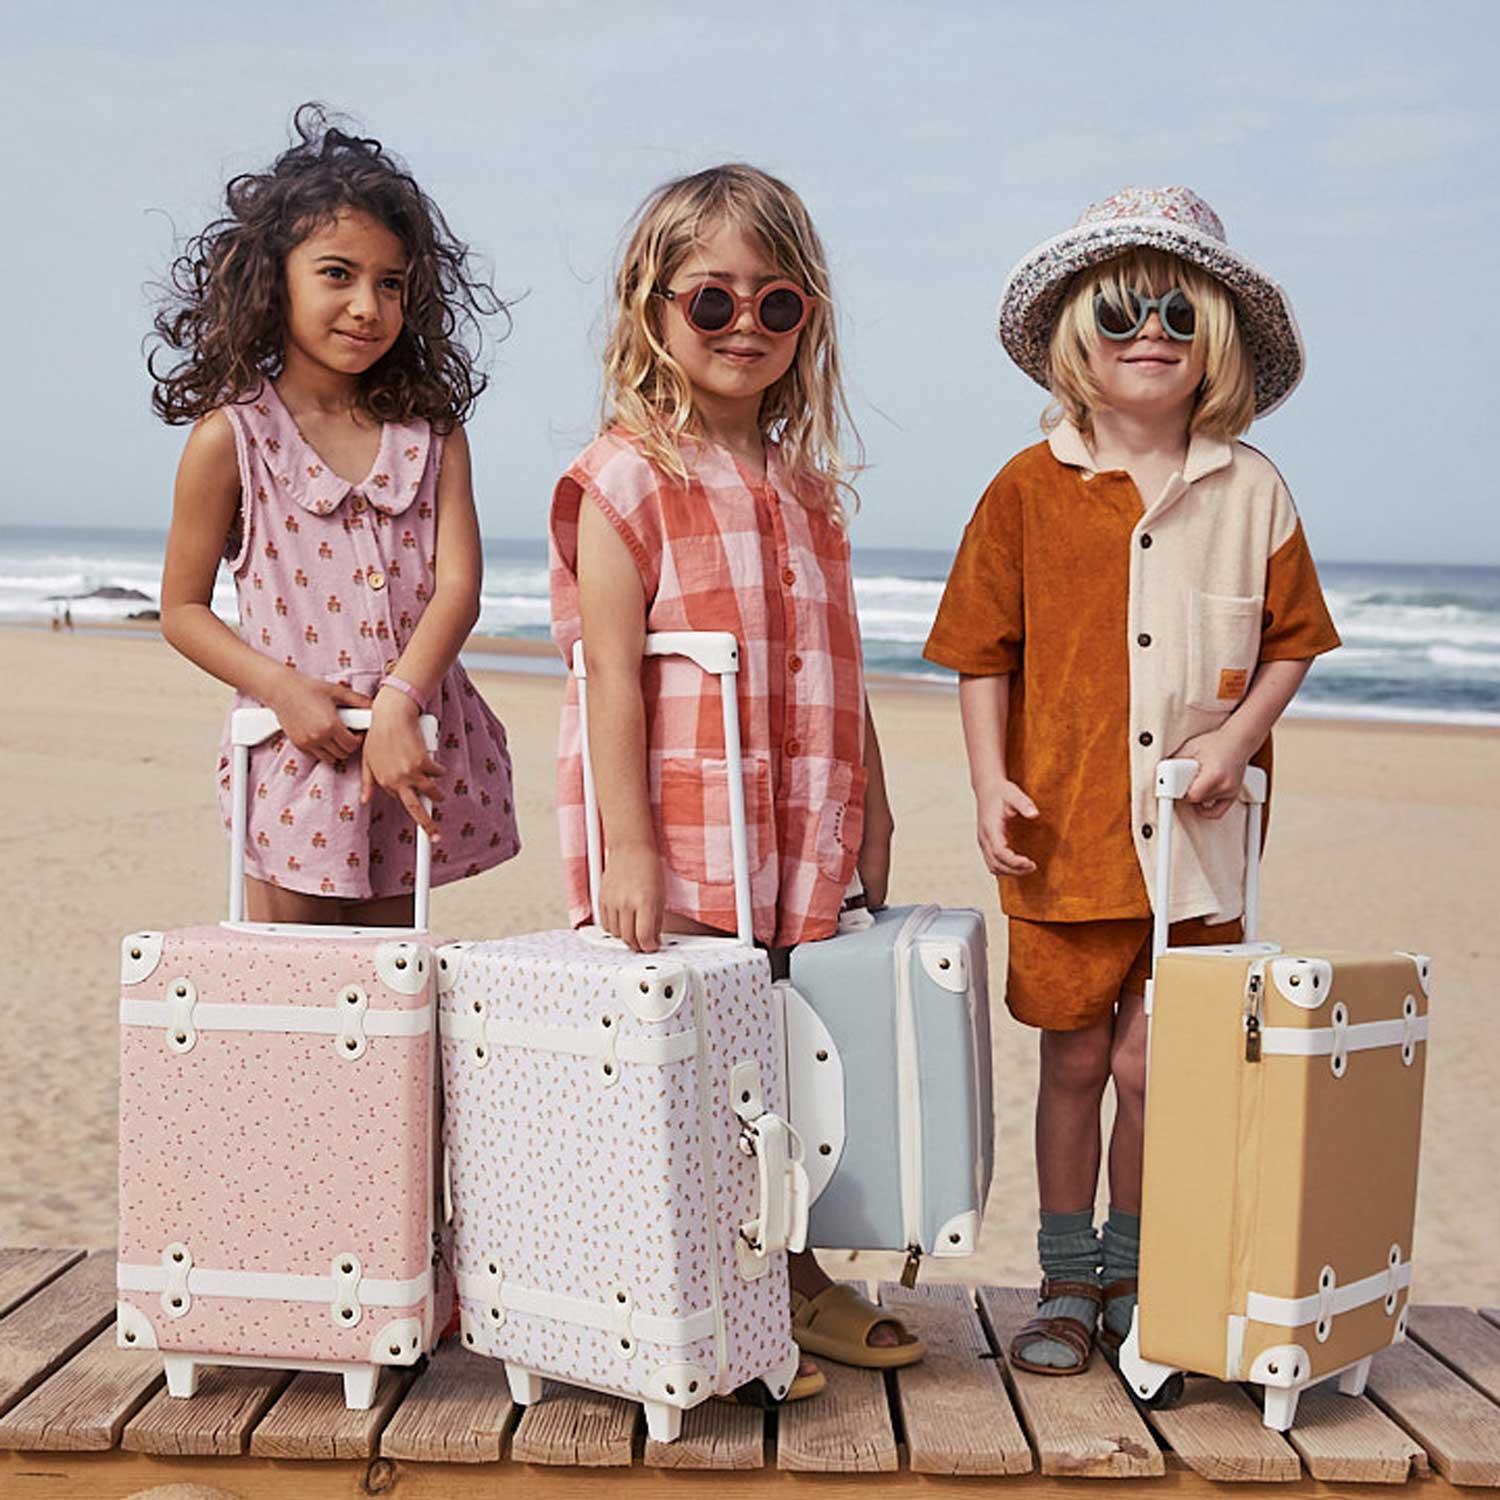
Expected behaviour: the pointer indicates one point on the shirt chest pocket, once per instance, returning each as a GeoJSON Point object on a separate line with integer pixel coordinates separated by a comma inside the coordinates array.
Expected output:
{"type": "Point", "coordinates": [1223, 647]}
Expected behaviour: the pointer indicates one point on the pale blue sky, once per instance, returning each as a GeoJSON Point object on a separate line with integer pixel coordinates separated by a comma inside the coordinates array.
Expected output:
{"type": "Point", "coordinates": [1350, 149]}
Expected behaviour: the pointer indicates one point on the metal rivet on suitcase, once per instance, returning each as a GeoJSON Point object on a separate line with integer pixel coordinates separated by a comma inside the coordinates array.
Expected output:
{"type": "Point", "coordinates": [181, 990]}
{"type": "Point", "coordinates": [135, 952]}
{"type": "Point", "coordinates": [130, 1337]}
{"type": "Point", "coordinates": [346, 1313]}
{"type": "Point", "coordinates": [945, 963]}
{"type": "Point", "coordinates": [825, 1149]}
{"type": "Point", "coordinates": [395, 1349]}
{"type": "Point", "coordinates": [625, 1345]}
{"type": "Point", "coordinates": [621, 1297]}
{"type": "Point", "coordinates": [468, 1338]}
{"type": "Point", "coordinates": [1294, 980]}
{"type": "Point", "coordinates": [400, 963]}
{"type": "Point", "coordinates": [692, 1386]}
{"type": "Point", "coordinates": [347, 1267]}
{"type": "Point", "coordinates": [822, 1055]}
{"type": "Point", "coordinates": [351, 997]}
{"type": "Point", "coordinates": [953, 1239]}
{"type": "Point", "coordinates": [177, 1256]}
{"type": "Point", "coordinates": [671, 1389]}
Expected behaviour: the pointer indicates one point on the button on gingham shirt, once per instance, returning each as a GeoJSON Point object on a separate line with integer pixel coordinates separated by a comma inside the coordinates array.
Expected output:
{"type": "Point", "coordinates": [723, 551]}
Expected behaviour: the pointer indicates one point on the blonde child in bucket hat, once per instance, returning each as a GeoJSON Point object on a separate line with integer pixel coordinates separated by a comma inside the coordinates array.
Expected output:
{"type": "Point", "coordinates": [1137, 586]}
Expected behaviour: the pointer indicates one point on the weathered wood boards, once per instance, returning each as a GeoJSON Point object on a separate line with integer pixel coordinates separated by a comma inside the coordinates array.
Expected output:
{"type": "Point", "coordinates": [1082, 1425]}
{"type": "Point", "coordinates": [955, 1410]}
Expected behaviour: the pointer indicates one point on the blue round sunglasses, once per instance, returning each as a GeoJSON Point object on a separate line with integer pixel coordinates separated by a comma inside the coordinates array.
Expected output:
{"type": "Point", "coordinates": [1177, 315]}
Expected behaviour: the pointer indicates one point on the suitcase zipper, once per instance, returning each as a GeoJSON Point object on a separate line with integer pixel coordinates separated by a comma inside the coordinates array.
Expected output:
{"type": "Point", "coordinates": [1253, 985]}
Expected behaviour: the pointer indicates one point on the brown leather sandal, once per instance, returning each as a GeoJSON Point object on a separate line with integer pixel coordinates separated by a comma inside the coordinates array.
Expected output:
{"type": "Point", "coordinates": [1109, 1340]}
{"type": "Point", "coordinates": [1072, 1333]}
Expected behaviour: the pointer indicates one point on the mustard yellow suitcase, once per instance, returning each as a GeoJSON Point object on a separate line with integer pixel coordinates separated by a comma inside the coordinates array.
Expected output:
{"type": "Point", "coordinates": [1283, 1120]}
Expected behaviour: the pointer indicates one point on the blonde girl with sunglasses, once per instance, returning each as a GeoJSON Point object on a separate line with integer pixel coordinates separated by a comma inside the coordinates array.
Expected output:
{"type": "Point", "coordinates": [1135, 587]}
{"type": "Point", "coordinates": [715, 498]}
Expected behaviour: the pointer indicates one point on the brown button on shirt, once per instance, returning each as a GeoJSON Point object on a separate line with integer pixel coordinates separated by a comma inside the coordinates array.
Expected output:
{"type": "Point", "coordinates": [1121, 652]}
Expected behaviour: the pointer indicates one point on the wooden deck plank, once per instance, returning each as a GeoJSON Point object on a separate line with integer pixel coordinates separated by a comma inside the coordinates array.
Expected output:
{"type": "Point", "coordinates": [457, 1411]}
{"type": "Point", "coordinates": [23, 1272]}
{"type": "Point", "coordinates": [715, 1435]}
{"type": "Point", "coordinates": [83, 1406]}
{"type": "Point", "coordinates": [844, 1430]}
{"type": "Point", "coordinates": [217, 1422]}
{"type": "Point", "coordinates": [1349, 1440]}
{"type": "Point", "coordinates": [955, 1409]}
{"type": "Point", "coordinates": [54, 1324]}
{"type": "Point", "coordinates": [310, 1420]}
{"type": "Point", "coordinates": [575, 1427]}
{"type": "Point", "coordinates": [1459, 1428]}
{"type": "Point", "coordinates": [1463, 1340]}
{"type": "Point", "coordinates": [1217, 1432]}
{"type": "Point", "coordinates": [90, 1476]}
{"type": "Point", "coordinates": [1081, 1425]}
{"type": "Point", "coordinates": [1491, 1314]}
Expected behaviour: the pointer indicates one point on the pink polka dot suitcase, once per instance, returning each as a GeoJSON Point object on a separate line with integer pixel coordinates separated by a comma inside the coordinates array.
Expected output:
{"type": "Point", "coordinates": [624, 1185]}
{"type": "Point", "coordinates": [278, 1118]}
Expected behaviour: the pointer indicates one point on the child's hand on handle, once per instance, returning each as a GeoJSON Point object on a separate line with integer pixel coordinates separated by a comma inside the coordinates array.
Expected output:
{"type": "Point", "coordinates": [1222, 758]}
{"type": "Point", "coordinates": [307, 708]}
{"type": "Point", "coordinates": [397, 760]}
{"type": "Point", "coordinates": [997, 806]}
{"type": "Point", "coordinates": [633, 896]}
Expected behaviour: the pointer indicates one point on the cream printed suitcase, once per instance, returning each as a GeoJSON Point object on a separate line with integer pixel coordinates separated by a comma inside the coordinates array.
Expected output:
{"type": "Point", "coordinates": [1283, 1120]}
{"type": "Point", "coordinates": [623, 1182]}
{"type": "Point", "coordinates": [278, 1121]}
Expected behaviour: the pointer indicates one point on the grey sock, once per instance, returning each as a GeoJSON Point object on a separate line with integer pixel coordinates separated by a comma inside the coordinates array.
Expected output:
{"type": "Point", "coordinates": [1122, 1259]}
{"type": "Point", "coordinates": [1068, 1247]}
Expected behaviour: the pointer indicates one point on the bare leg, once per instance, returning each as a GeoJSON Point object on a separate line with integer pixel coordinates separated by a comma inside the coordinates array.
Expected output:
{"type": "Point", "coordinates": [381, 911]}
{"type": "Point", "coordinates": [1127, 1066]}
{"type": "Point", "coordinates": [270, 903]}
{"type": "Point", "coordinates": [1074, 1071]}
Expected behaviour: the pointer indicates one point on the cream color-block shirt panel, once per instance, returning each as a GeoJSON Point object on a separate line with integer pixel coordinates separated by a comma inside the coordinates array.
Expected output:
{"type": "Point", "coordinates": [1206, 606]}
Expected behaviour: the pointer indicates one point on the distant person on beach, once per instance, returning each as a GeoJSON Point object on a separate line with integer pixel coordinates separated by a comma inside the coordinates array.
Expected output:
{"type": "Point", "coordinates": [1133, 588]}
{"type": "Point", "coordinates": [56, 620]}
{"type": "Point", "coordinates": [327, 327]}
{"type": "Point", "coordinates": [68, 616]}
{"type": "Point", "coordinates": [714, 499]}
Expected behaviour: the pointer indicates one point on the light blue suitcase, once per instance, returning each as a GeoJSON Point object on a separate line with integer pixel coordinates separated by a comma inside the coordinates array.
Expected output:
{"type": "Point", "coordinates": [888, 1058]}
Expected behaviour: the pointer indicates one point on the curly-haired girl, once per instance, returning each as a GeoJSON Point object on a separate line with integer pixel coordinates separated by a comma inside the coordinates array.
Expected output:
{"type": "Point", "coordinates": [327, 328]}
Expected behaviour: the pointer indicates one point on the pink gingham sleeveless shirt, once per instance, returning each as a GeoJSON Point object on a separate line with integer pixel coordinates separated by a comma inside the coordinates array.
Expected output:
{"type": "Point", "coordinates": [724, 551]}
{"type": "Point", "coordinates": [332, 578]}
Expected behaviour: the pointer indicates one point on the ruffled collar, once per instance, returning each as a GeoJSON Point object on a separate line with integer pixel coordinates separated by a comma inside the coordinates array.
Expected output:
{"type": "Point", "coordinates": [303, 477]}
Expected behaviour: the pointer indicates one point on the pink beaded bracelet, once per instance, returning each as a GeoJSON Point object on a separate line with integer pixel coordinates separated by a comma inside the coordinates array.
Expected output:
{"type": "Point", "coordinates": [401, 685]}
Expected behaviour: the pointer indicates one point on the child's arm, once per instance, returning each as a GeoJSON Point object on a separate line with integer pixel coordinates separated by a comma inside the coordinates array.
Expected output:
{"type": "Point", "coordinates": [1223, 753]}
{"type": "Point", "coordinates": [612, 605]}
{"type": "Point", "coordinates": [984, 706]}
{"type": "Point", "coordinates": [203, 509]}
{"type": "Point", "coordinates": [874, 862]}
{"type": "Point", "coordinates": [395, 757]}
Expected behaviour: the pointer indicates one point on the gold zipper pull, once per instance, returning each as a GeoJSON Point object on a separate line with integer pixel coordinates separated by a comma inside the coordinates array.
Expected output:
{"type": "Point", "coordinates": [1252, 1017]}
{"type": "Point", "coordinates": [909, 1270]}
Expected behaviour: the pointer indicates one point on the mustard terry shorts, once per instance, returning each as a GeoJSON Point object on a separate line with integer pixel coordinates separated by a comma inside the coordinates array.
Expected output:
{"type": "Point", "coordinates": [1066, 976]}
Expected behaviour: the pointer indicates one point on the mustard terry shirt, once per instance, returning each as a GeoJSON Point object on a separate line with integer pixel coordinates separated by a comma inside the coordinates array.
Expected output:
{"type": "Point", "coordinates": [1128, 629]}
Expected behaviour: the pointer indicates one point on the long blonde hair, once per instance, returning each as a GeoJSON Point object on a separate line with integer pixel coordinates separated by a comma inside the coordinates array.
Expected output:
{"type": "Point", "coordinates": [646, 391]}
{"type": "Point", "coordinates": [1225, 404]}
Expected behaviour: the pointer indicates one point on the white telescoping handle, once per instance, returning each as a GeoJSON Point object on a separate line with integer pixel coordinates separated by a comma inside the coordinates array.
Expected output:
{"type": "Point", "coordinates": [1173, 778]}
{"type": "Point", "coordinates": [249, 726]}
{"type": "Point", "coordinates": [718, 653]}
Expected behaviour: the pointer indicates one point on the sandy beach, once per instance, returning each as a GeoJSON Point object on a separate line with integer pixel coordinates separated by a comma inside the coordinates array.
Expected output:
{"type": "Point", "coordinates": [1381, 837]}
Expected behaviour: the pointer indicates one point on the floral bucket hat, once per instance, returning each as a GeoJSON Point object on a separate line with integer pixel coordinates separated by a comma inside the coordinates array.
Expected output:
{"type": "Point", "coordinates": [1173, 219]}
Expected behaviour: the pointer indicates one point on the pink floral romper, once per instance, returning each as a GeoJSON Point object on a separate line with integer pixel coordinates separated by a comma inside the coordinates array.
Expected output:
{"type": "Point", "coordinates": [332, 578]}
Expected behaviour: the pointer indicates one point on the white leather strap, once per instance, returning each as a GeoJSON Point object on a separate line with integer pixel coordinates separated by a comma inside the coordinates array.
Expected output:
{"type": "Point", "coordinates": [655, 1051]}
{"type": "Point", "coordinates": [313, 1020]}
{"type": "Point", "coordinates": [614, 1315]}
{"type": "Point", "coordinates": [269, 1286]}
{"type": "Point", "coordinates": [1323, 1041]}
{"type": "Point", "coordinates": [1298, 1312]}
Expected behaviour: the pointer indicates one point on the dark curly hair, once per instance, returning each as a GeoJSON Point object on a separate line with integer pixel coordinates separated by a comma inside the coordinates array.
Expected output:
{"type": "Point", "coordinates": [223, 305]}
